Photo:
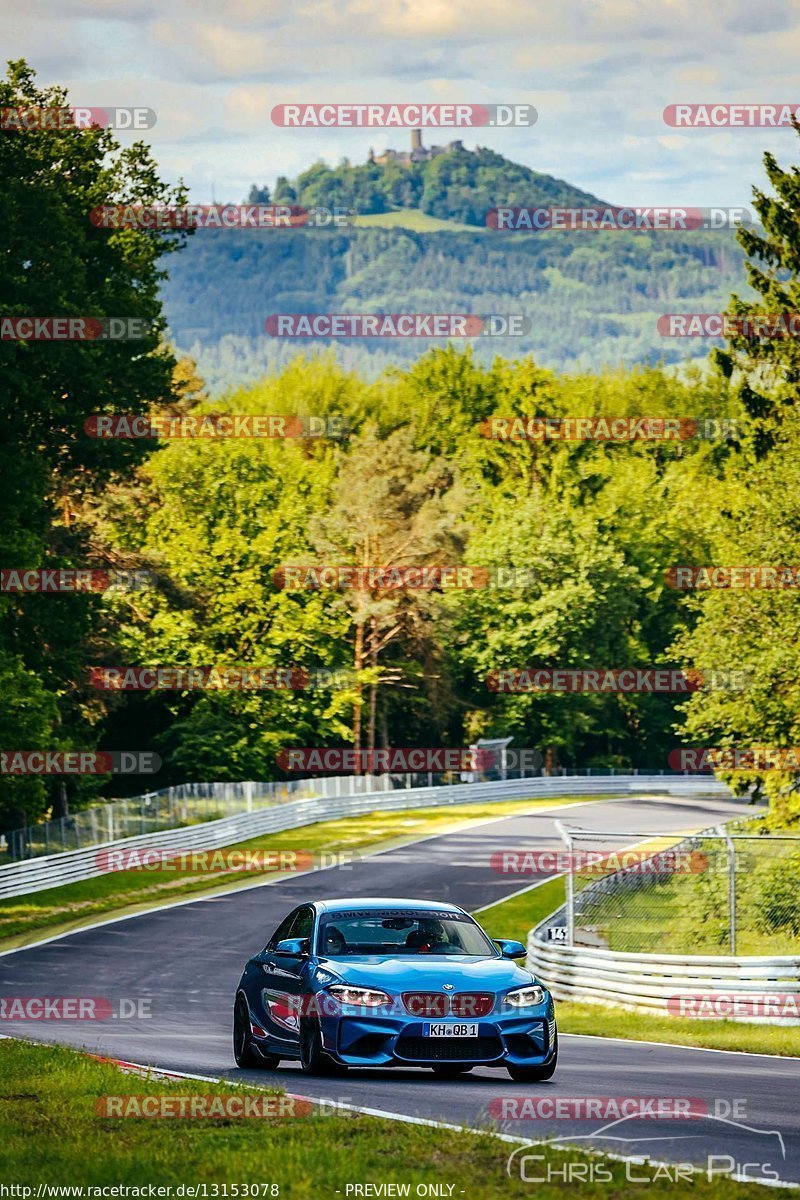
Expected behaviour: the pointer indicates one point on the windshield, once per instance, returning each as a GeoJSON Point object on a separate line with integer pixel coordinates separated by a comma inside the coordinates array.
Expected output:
{"type": "Point", "coordinates": [399, 933]}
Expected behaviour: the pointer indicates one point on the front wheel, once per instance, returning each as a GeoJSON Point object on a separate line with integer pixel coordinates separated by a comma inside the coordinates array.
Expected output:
{"type": "Point", "coordinates": [313, 1058]}
{"type": "Point", "coordinates": [535, 1074]}
{"type": "Point", "coordinates": [244, 1050]}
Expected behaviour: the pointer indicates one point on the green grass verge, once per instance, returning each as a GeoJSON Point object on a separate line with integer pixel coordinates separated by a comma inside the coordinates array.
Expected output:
{"type": "Point", "coordinates": [60, 909]}
{"type": "Point", "coordinates": [414, 218]}
{"type": "Point", "coordinates": [514, 918]}
{"type": "Point", "coordinates": [604, 1021]}
{"type": "Point", "coordinates": [51, 1134]}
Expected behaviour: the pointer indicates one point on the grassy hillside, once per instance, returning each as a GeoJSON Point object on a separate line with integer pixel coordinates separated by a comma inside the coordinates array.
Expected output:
{"type": "Point", "coordinates": [409, 218]}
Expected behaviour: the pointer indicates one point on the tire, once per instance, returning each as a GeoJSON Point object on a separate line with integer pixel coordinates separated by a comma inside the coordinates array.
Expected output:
{"type": "Point", "coordinates": [535, 1074]}
{"type": "Point", "coordinates": [450, 1070]}
{"type": "Point", "coordinates": [313, 1059]}
{"type": "Point", "coordinates": [244, 1051]}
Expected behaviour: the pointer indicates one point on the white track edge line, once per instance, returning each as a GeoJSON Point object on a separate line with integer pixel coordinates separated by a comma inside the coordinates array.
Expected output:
{"type": "Point", "coordinates": [514, 1139]}
{"type": "Point", "coordinates": [598, 1037]}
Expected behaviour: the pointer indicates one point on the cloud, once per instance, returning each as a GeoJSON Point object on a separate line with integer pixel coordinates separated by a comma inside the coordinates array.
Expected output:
{"type": "Point", "coordinates": [600, 73]}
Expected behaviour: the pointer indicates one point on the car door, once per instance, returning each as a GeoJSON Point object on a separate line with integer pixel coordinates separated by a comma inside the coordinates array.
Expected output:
{"type": "Point", "coordinates": [282, 987]}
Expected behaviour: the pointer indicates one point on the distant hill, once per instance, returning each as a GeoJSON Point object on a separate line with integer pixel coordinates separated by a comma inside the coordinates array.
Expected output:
{"type": "Point", "coordinates": [421, 245]}
{"type": "Point", "coordinates": [458, 185]}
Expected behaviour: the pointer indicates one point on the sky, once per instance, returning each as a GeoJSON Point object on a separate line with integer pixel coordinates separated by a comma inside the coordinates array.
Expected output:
{"type": "Point", "coordinates": [599, 73]}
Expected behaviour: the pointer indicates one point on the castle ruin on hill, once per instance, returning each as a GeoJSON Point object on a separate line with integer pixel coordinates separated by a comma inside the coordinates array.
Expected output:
{"type": "Point", "coordinates": [417, 153]}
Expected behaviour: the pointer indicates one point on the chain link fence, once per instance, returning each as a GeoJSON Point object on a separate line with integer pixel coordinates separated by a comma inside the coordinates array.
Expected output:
{"type": "Point", "coordinates": [720, 891]}
{"type": "Point", "coordinates": [170, 808]}
{"type": "Point", "coordinates": [191, 803]}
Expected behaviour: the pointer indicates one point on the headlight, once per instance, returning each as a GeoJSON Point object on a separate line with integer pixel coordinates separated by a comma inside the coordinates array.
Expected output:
{"type": "Point", "coordinates": [526, 997]}
{"type": "Point", "coordinates": [363, 997]}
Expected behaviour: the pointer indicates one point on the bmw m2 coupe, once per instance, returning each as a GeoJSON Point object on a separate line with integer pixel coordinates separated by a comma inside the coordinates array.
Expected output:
{"type": "Point", "coordinates": [379, 983]}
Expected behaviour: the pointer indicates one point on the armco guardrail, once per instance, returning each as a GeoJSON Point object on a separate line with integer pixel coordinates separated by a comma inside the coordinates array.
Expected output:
{"type": "Point", "coordinates": [172, 807]}
{"type": "Point", "coordinates": [37, 874]}
{"type": "Point", "coordinates": [655, 982]}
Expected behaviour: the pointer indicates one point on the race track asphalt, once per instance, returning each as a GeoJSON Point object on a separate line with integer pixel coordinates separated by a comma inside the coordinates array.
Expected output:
{"type": "Point", "coordinates": [186, 960]}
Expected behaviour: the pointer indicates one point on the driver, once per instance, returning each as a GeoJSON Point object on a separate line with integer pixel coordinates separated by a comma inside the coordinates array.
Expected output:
{"type": "Point", "coordinates": [429, 937]}
{"type": "Point", "coordinates": [334, 941]}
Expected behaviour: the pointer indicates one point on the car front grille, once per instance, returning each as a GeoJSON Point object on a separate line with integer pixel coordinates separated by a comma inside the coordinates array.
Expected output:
{"type": "Point", "coordinates": [433, 1049]}
{"type": "Point", "coordinates": [426, 1004]}
{"type": "Point", "coordinates": [472, 1004]}
{"type": "Point", "coordinates": [435, 1004]}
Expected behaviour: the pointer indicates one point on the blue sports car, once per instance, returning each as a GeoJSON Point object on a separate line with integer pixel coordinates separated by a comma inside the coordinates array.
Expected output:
{"type": "Point", "coordinates": [379, 983]}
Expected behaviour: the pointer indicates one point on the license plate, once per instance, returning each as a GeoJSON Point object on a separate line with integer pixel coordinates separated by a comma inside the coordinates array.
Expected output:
{"type": "Point", "coordinates": [442, 1029]}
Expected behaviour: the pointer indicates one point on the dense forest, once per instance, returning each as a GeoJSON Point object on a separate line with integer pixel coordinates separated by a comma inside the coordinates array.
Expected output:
{"type": "Point", "coordinates": [599, 526]}
{"type": "Point", "coordinates": [592, 299]}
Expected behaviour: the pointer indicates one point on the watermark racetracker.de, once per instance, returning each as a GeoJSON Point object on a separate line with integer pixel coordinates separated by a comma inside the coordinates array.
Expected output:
{"type": "Point", "coordinates": [607, 429]}
{"type": "Point", "coordinates": [241, 1106]}
{"type": "Point", "coordinates": [220, 216]}
{"type": "Point", "coordinates": [425, 577]}
{"type": "Point", "coordinates": [68, 580]}
{"type": "Point", "coordinates": [213, 426]}
{"type": "Point", "coordinates": [735, 758]}
{"type": "Point", "coordinates": [752, 326]}
{"type": "Point", "coordinates": [714, 115]}
{"type": "Point", "coordinates": [396, 325]}
{"type": "Point", "coordinates": [390, 760]}
{"type": "Point", "coordinates": [54, 119]}
{"type": "Point", "coordinates": [73, 329]}
{"type": "Point", "coordinates": [79, 762]}
{"type": "Point", "coordinates": [608, 218]}
{"type": "Point", "coordinates": [756, 1006]}
{"type": "Point", "coordinates": [546, 861]}
{"type": "Point", "coordinates": [221, 861]}
{"type": "Point", "coordinates": [222, 678]}
{"type": "Point", "coordinates": [623, 680]}
{"type": "Point", "coordinates": [75, 1008]}
{"type": "Point", "coordinates": [408, 115]}
{"type": "Point", "coordinates": [769, 576]}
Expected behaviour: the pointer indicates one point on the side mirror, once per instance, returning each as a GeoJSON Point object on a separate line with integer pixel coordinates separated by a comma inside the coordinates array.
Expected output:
{"type": "Point", "coordinates": [293, 947]}
{"type": "Point", "coordinates": [509, 948]}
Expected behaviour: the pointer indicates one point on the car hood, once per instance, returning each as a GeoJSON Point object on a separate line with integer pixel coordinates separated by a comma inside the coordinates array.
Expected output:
{"type": "Point", "coordinates": [429, 973]}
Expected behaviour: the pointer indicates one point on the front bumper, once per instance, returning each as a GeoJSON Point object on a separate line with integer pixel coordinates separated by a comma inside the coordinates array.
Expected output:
{"type": "Point", "coordinates": [375, 1041]}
